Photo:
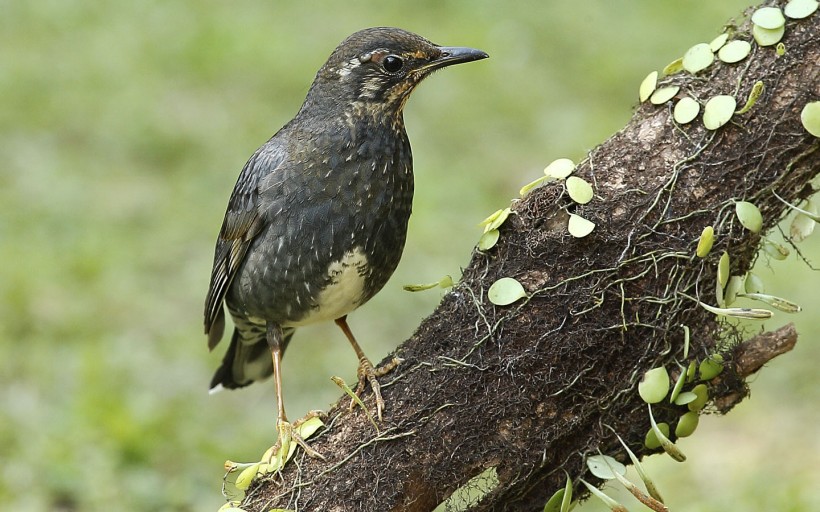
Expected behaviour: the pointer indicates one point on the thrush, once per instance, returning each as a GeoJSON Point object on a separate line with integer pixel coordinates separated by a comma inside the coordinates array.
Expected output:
{"type": "Point", "coordinates": [317, 220]}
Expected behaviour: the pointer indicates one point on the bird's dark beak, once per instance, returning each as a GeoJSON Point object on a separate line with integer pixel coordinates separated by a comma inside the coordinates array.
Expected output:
{"type": "Point", "coordinates": [453, 55]}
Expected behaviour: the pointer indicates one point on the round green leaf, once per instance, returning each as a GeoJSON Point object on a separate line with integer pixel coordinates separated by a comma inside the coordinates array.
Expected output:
{"type": "Point", "coordinates": [749, 216]}
{"type": "Point", "coordinates": [664, 94]}
{"type": "Point", "coordinates": [505, 291]}
{"type": "Point", "coordinates": [802, 226]}
{"type": "Point", "coordinates": [498, 221]}
{"type": "Point", "coordinates": [799, 9]}
{"type": "Point", "coordinates": [687, 424]}
{"type": "Point", "coordinates": [491, 218]}
{"type": "Point", "coordinates": [560, 169]}
{"type": "Point", "coordinates": [718, 111]}
{"type": "Point", "coordinates": [246, 477]}
{"type": "Point", "coordinates": [309, 427]}
{"type": "Point", "coordinates": [710, 367]}
{"type": "Point", "coordinates": [767, 37]}
{"type": "Point", "coordinates": [488, 240]}
{"type": "Point", "coordinates": [648, 86]}
{"type": "Point", "coordinates": [579, 190]}
{"type": "Point", "coordinates": [735, 51]}
{"type": "Point", "coordinates": [686, 110]}
{"type": "Point", "coordinates": [769, 18]}
{"type": "Point", "coordinates": [685, 397]}
{"type": "Point", "coordinates": [775, 250]}
{"type": "Point", "coordinates": [495, 220]}
{"type": "Point", "coordinates": [707, 238]}
{"type": "Point", "coordinates": [651, 441]}
{"type": "Point", "coordinates": [810, 117]}
{"type": "Point", "coordinates": [654, 386]}
{"type": "Point", "coordinates": [718, 42]}
{"type": "Point", "coordinates": [702, 396]}
{"type": "Point", "coordinates": [604, 466]}
{"type": "Point", "coordinates": [698, 58]}
{"type": "Point", "coordinates": [579, 227]}
{"type": "Point", "coordinates": [673, 67]}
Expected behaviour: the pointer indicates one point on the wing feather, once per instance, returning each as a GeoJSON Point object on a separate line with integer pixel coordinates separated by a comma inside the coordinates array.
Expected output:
{"type": "Point", "coordinates": [243, 222]}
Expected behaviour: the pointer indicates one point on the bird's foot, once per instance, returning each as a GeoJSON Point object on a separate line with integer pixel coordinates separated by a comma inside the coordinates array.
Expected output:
{"type": "Point", "coordinates": [290, 433]}
{"type": "Point", "coordinates": [368, 374]}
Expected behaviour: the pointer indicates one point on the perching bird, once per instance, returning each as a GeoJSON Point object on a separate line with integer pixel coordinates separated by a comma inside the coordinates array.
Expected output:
{"type": "Point", "coordinates": [317, 221]}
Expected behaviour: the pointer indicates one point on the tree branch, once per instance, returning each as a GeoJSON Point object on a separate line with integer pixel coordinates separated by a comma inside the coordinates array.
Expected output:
{"type": "Point", "coordinates": [530, 389]}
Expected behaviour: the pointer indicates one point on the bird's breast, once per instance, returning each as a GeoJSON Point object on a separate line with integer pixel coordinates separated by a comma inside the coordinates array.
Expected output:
{"type": "Point", "coordinates": [334, 225]}
{"type": "Point", "coordinates": [343, 292]}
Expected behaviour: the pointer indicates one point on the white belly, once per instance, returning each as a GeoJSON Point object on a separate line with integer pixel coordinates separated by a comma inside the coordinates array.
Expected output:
{"type": "Point", "coordinates": [343, 294]}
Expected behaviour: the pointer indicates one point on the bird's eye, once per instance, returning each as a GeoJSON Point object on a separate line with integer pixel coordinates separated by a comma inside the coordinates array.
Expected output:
{"type": "Point", "coordinates": [392, 63]}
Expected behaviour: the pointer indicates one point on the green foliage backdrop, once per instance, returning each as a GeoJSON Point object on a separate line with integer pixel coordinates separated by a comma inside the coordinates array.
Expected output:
{"type": "Point", "coordinates": [122, 130]}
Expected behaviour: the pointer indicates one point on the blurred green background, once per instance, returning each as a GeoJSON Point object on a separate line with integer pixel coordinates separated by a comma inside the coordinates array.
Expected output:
{"type": "Point", "coordinates": [122, 129]}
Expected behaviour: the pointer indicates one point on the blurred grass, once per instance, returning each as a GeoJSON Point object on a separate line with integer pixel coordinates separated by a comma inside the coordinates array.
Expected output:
{"type": "Point", "coordinates": [122, 131]}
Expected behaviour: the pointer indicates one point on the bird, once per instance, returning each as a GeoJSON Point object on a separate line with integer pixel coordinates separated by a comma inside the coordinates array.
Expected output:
{"type": "Point", "coordinates": [317, 221]}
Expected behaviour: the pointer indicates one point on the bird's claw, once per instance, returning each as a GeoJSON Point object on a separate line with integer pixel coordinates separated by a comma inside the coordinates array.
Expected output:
{"type": "Point", "coordinates": [288, 433]}
{"type": "Point", "coordinates": [367, 373]}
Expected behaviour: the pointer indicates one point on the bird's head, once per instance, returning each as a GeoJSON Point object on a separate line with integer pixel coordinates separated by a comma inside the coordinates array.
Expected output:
{"type": "Point", "coordinates": [380, 67]}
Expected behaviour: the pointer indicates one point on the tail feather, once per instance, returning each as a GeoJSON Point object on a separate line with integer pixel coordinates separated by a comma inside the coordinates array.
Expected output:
{"type": "Point", "coordinates": [247, 360]}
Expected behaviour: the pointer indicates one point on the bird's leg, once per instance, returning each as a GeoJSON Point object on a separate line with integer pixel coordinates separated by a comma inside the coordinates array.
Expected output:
{"type": "Point", "coordinates": [287, 432]}
{"type": "Point", "coordinates": [366, 371]}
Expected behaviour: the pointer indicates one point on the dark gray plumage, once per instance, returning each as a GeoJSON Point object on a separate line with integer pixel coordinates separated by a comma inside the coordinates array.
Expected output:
{"type": "Point", "coordinates": [317, 220]}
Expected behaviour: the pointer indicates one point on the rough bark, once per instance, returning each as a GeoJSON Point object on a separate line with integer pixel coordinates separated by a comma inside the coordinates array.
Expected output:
{"type": "Point", "coordinates": [532, 388]}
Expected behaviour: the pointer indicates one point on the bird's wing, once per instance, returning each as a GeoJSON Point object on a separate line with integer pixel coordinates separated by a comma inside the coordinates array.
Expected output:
{"type": "Point", "coordinates": [242, 223]}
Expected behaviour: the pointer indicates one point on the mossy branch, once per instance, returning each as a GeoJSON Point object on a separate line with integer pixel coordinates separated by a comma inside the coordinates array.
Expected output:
{"type": "Point", "coordinates": [531, 389]}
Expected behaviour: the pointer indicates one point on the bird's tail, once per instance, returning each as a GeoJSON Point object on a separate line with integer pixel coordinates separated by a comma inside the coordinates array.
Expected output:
{"type": "Point", "coordinates": [247, 360]}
